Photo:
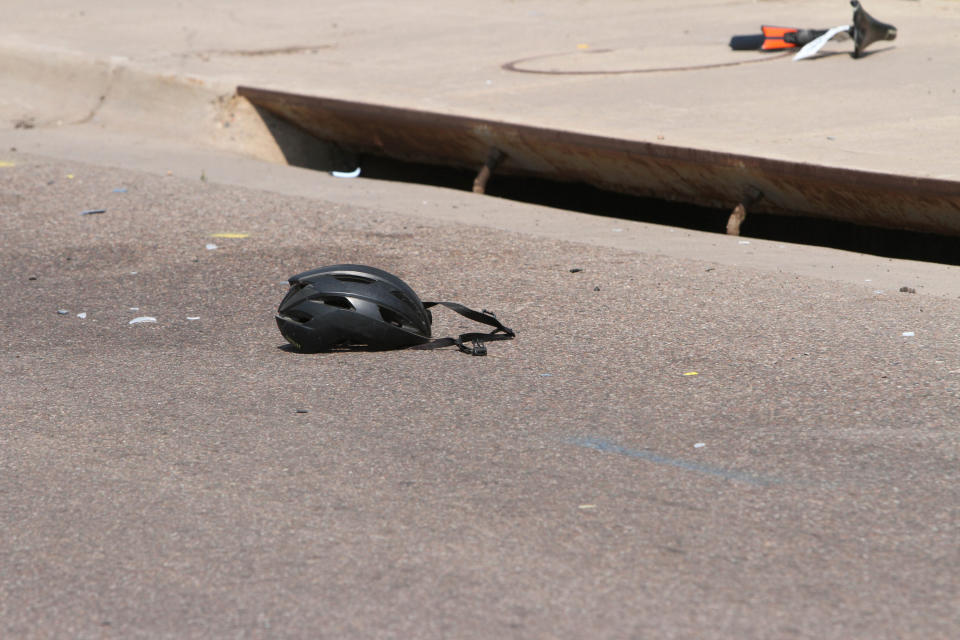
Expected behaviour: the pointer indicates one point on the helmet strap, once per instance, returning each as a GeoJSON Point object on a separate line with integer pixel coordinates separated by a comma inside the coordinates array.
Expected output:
{"type": "Point", "coordinates": [476, 340]}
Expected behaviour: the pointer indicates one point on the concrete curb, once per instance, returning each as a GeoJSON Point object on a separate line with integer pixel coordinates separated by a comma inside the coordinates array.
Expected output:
{"type": "Point", "coordinates": [45, 87]}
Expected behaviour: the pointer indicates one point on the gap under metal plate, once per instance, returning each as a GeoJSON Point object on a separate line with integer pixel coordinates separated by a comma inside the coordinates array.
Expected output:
{"type": "Point", "coordinates": [696, 176]}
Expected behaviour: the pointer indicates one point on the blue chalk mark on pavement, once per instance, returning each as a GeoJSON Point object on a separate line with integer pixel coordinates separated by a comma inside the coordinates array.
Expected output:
{"type": "Point", "coordinates": [727, 474]}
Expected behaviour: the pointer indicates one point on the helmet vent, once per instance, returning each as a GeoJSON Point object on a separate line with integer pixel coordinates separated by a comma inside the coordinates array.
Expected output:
{"type": "Point", "coordinates": [391, 317]}
{"type": "Point", "coordinates": [298, 316]}
{"type": "Point", "coordinates": [344, 277]}
{"type": "Point", "coordinates": [337, 301]}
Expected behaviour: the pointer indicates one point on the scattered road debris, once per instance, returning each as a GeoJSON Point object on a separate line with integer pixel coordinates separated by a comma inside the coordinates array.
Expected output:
{"type": "Point", "coordinates": [230, 234]}
{"type": "Point", "coordinates": [863, 29]}
{"type": "Point", "coordinates": [120, 190]}
{"type": "Point", "coordinates": [907, 290]}
{"type": "Point", "coordinates": [576, 270]}
{"type": "Point", "coordinates": [90, 212]}
{"type": "Point", "coordinates": [4, 164]}
{"type": "Point", "coordinates": [699, 445]}
{"type": "Point", "coordinates": [302, 411]}
{"type": "Point", "coordinates": [142, 319]}
{"type": "Point", "coordinates": [193, 317]}
{"type": "Point", "coordinates": [346, 174]}
{"type": "Point", "coordinates": [211, 246]}
{"type": "Point", "coordinates": [691, 373]}
{"type": "Point", "coordinates": [813, 47]}
{"type": "Point", "coordinates": [908, 334]}
{"type": "Point", "coordinates": [62, 312]}
{"type": "Point", "coordinates": [82, 315]}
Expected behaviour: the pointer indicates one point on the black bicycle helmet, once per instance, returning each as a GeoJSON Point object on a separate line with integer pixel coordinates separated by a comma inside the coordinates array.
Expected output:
{"type": "Point", "coordinates": [351, 304]}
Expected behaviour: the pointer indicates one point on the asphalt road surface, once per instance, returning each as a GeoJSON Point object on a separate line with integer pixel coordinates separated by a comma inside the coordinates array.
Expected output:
{"type": "Point", "coordinates": [671, 448]}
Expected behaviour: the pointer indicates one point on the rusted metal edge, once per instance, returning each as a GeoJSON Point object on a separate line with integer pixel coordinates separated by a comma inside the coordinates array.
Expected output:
{"type": "Point", "coordinates": [704, 177]}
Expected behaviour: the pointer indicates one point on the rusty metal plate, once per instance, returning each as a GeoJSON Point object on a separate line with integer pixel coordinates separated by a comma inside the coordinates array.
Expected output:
{"type": "Point", "coordinates": [707, 178]}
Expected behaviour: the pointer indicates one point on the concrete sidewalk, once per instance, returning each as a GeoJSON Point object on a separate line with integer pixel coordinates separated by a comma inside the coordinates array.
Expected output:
{"type": "Point", "coordinates": [895, 111]}
{"type": "Point", "coordinates": [867, 141]}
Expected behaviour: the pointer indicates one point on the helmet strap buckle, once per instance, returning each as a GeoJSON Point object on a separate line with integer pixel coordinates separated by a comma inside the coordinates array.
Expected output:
{"type": "Point", "coordinates": [478, 348]}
